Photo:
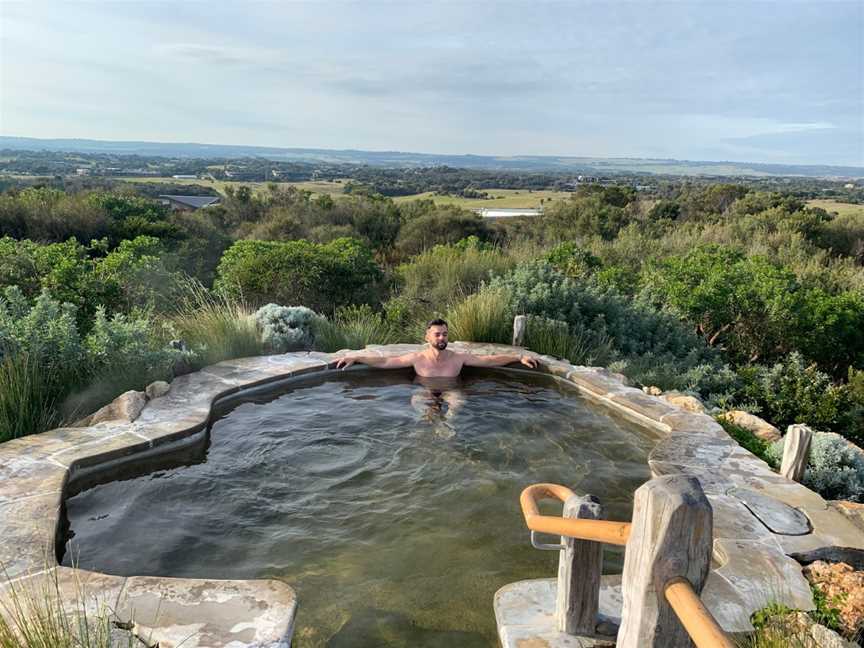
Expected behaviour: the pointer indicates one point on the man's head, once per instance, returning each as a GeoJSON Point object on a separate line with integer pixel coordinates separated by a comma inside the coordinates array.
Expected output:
{"type": "Point", "coordinates": [436, 334]}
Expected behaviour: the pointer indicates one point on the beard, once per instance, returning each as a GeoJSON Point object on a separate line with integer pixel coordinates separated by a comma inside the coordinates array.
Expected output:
{"type": "Point", "coordinates": [440, 345]}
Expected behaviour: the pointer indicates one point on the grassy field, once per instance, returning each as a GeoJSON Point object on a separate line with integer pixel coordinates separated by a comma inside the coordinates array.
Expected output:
{"type": "Point", "coordinates": [839, 207]}
{"type": "Point", "coordinates": [499, 197]}
{"type": "Point", "coordinates": [323, 187]}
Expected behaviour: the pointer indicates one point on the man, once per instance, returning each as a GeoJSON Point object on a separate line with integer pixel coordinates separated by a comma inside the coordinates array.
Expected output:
{"type": "Point", "coordinates": [436, 361]}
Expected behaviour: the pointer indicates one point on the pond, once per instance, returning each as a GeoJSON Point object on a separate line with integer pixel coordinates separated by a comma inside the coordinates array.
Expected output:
{"type": "Point", "coordinates": [389, 505]}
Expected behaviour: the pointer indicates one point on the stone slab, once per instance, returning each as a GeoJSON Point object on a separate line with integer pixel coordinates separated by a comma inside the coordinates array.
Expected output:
{"type": "Point", "coordinates": [525, 613]}
{"type": "Point", "coordinates": [594, 382]}
{"type": "Point", "coordinates": [22, 476]}
{"type": "Point", "coordinates": [638, 401]}
{"type": "Point", "coordinates": [28, 530]}
{"type": "Point", "coordinates": [205, 613]}
{"type": "Point", "coordinates": [759, 573]}
{"type": "Point", "coordinates": [778, 517]}
{"type": "Point", "coordinates": [692, 449]}
{"type": "Point", "coordinates": [693, 423]}
{"type": "Point", "coordinates": [734, 521]}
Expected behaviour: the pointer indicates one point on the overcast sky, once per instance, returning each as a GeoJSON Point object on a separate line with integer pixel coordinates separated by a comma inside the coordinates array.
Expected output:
{"type": "Point", "coordinates": [745, 81]}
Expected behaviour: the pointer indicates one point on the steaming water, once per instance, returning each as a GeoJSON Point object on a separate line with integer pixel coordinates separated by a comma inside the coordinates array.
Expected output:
{"type": "Point", "coordinates": [391, 510]}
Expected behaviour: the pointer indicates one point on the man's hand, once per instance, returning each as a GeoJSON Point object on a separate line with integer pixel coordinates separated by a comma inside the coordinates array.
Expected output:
{"type": "Point", "coordinates": [344, 363]}
{"type": "Point", "coordinates": [528, 361]}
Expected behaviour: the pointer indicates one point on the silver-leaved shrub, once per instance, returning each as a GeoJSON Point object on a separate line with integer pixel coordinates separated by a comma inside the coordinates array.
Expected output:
{"type": "Point", "coordinates": [286, 328]}
{"type": "Point", "coordinates": [836, 467]}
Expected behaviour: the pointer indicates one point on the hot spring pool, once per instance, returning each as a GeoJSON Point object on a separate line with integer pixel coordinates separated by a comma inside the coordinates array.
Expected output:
{"type": "Point", "coordinates": [390, 507]}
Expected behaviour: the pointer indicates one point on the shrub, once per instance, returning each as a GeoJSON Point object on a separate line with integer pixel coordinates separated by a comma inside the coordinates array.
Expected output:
{"type": "Point", "coordinates": [299, 272]}
{"type": "Point", "coordinates": [835, 469]}
{"type": "Point", "coordinates": [689, 372]}
{"type": "Point", "coordinates": [645, 344]}
{"type": "Point", "coordinates": [51, 372]}
{"type": "Point", "coordinates": [442, 226]}
{"type": "Point", "coordinates": [586, 215]}
{"type": "Point", "coordinates": [573, 260]}
{"type": "Point", "coordinates": [792, 391]}
{"type": "Point", "coordinates": [747, 305]}
{"type": "Point", "coordinates": [634, 327]}
{"type": "Point", "coordinates": [286, 328]}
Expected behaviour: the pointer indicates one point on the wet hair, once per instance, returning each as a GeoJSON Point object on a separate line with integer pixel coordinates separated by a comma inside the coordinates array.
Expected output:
{"type": "Point", "coordinates": [436, 322]}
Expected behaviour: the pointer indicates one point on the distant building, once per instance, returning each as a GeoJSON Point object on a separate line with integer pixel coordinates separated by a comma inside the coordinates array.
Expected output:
{"type": "Point", "coordinates": [82, 172]}
{"type": "Point", "coordinates": [849, 185]}
{"type": "Point", "coordinates": [189, 203]}
{"type": "Point", "coordinates": [504, 212]}
{"type": "Point", "coordinates": [185, 176]}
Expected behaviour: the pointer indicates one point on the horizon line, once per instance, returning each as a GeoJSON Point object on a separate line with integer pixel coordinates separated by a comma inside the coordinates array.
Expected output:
{"type": "Point", "coordinates": [402, 152]}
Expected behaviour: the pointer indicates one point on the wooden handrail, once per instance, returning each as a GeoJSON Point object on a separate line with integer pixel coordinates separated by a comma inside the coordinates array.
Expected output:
{"type": "Point", "coordinates": [694, 616]}
{"type": "Point", "coordinates": [615, 533]}
{"type": "Point", "coordinates": [696, 619]}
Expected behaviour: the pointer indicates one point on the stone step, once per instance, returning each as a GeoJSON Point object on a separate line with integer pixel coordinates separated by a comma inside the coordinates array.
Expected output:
{"type": "Point", "coordinates": [525, 614]}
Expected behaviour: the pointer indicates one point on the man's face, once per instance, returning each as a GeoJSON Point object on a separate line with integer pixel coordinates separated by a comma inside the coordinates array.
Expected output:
{"type": "Point", "coordinates": [437, 337]}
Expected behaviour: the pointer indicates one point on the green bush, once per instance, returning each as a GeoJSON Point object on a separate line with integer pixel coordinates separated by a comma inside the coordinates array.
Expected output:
{"type": "Point", "coordinates": [747, 305]}
{"type": "Point", "coordinates": [835, 470]}
{"type": "Point", "coordinates": [134, 275]}
{"type": "Point", "coordinates": [441, 226]}
{"type": "Point", "coordinates": [793, 391]}
{"type": "Point", "coordinates": [320, 277]}
{"type": "Point", "coordinates": [649, 346]}
{"type": "Point", "coordinates": [50, 215]}
{"type": "Point", "coordinates": [586, 215]}
{"type": "Point", "coordinates": [50, 372]}
{"type": "Point", "coordinates": [573, 260]}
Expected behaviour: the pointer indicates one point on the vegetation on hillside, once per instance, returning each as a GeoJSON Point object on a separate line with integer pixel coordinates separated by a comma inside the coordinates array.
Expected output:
{"type": "Point", "coordinates": [747, 297]}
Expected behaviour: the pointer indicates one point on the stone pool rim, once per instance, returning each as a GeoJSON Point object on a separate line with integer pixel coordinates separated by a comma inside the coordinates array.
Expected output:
{"type": "Point", "coordinates": [37, 471]}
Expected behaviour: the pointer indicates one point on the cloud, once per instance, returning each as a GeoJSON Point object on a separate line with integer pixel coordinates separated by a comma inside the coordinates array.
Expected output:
{"type": "Point", "coordinates": [205, 54]}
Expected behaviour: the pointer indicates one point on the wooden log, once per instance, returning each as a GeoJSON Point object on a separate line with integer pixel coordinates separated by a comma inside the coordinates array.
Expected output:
{"type": "Point", "coordinates": [580, 565]}
{"type": "Point", "coordinates": [520, 324]}
{"type": "Point", "coordinates": [671, 537]}
{"type": "Point", "coordinates": [796, 451]}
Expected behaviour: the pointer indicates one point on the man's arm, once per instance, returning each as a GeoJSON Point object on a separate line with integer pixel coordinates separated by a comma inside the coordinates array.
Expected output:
{"type": "Point", "coordinates": [399, 362]}
{"type": "Point", "coordinates": [499, 360]}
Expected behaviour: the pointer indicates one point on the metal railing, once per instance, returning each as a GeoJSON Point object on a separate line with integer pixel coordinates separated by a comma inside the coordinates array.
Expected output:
{"type": "Point", "coordinates": [672, 516]}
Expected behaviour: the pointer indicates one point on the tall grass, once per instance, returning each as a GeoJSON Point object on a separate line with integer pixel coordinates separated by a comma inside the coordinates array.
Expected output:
{"type": "Point", "coordinates": [215, 326]}
{"type": "Point", "coordinates": [353, 327]}
{"type": "Point", "coordinates": [34, 616]}
{"type": "Point", "coordinates": [439, 276]}
{"type": "Point", "coordinates": [553, 337]}
{"type": "Point", "coordinates": [486, 316]}
{"type": "Point", "coordinates": [27, 397]}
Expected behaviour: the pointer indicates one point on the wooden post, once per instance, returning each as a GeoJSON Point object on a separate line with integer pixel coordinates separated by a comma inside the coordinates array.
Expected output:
{"type": "Point", "coordinates": [796, 451]}
{"type": "Point", "coordinates": [520, 323]}
{"type": "Point", "coordinates": [670, 538]}
{"type": "Point", "coordinates": [580, 564]}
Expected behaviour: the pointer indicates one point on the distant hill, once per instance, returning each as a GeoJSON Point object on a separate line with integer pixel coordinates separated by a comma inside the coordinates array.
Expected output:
{"type": "Point", "coordinates": [400, 159]}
